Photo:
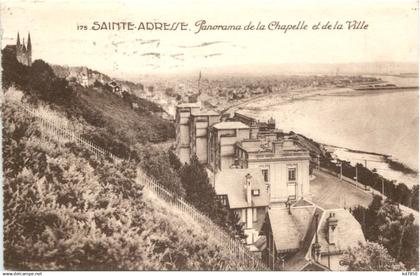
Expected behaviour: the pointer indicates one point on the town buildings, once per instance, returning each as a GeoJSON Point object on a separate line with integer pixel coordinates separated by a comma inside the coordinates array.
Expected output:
{"type": "Point", "coordinates": [263, 175]}
{"type": "Point", "coordinates": [183, 135]}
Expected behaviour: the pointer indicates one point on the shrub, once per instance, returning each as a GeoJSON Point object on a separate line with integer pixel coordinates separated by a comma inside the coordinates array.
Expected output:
{"type": "Point", "coordinates": [65, 209]}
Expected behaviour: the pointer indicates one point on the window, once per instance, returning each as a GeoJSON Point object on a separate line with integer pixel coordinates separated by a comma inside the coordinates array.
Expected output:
{"type": "Point", "coordinates": [254, 214]}
{"type": "Point", "coordinates": [223, 199]}
{"type": "Point", "coordinates": [292, 174]}
{"type": "Point", "coordinates": [265, 173]}
{"type": "Point", "coordinates": [256, 192]}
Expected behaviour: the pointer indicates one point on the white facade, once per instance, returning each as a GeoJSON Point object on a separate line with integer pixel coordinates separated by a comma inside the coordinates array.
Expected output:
{"type": "Point", "coordinates": [285, 169]}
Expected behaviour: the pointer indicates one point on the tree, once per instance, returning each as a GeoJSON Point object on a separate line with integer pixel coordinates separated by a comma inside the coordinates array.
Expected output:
{"type": "Point", "coordinates": [384, 223]}
{"type": "Point", "coordinates": [174, 160]}
{"type": "Point", "coordinates": [402, 194]}
{"type": "Point", "coordinates": [370, 257]}
{"type": "Point", "coordinates": [157, 164]}
{"type": "Point", "coordinates": [202, 195]}
{"type": "Point", "coordinates": [197, 186]}
{"type": "Point", "coordinates": [410, 248]}
{"type": "Point", "coordinates": [236, 225]}
{"type": "Point", "coordinates": [13, 71]}
{"type": "Point", "coordinates": [414, 198]}
{"type": "Point", "coordinates": [371, 225]}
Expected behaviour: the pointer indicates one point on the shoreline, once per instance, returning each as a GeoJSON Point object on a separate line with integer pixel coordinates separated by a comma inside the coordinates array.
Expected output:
{"type": "Point", "coordinates": [357, 151]}
{"type": "Point", "coordinates": [301, 94]}
{"type": "Point", "coordinates": [394, 165]}
{"type": "Point", "coordinates": [290, 96]}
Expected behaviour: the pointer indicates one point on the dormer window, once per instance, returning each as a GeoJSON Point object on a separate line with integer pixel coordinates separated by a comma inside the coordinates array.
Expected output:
{"type": "Point", "coordinates": [256, 192]}
{"type": "Point", "coordinates": [223, 199]}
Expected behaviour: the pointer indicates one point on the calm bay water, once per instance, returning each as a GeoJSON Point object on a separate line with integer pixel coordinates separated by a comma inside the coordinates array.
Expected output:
{"type": "Point", "coordinates": [384, 122]}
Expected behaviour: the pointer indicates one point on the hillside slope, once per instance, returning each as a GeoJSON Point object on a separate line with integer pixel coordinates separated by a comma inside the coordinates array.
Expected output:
{"type": "Point", "coordinates": [65, 209]}
{"type": "Point", "coordinates": [119, 121]}
{"type": "Point", "coordinates": [127, 126]}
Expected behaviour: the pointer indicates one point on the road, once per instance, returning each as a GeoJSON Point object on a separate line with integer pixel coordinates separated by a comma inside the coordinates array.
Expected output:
{"type": "Point", "coordinates": [330, 192]}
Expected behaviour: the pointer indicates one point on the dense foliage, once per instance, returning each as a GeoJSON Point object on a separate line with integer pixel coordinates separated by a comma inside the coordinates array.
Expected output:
{"type": "Point", "coordinates": [384, 223]}
{"type": "Point", "coordinates": [65, 209]}
{"type": "Point", "coordinates": [109, 121]}
{"type": "Point", "coordinates": [370, 257]}
{"type": "Point", "coordinates": [398, 193]}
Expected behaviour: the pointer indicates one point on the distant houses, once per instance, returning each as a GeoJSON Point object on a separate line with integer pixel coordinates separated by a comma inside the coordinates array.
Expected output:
{"type": "Point", "coordinates": [263, 175]}
{"type": "Point", "coordinates": [114, 87]}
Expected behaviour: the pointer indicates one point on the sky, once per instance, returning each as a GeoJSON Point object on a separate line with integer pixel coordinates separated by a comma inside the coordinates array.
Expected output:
{"type": "Point", "coordinates": [392, 33]}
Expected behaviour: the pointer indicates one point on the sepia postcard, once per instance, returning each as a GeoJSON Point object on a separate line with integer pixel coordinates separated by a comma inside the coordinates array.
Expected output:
{"type": "Point", "coordinates": [209, 135]}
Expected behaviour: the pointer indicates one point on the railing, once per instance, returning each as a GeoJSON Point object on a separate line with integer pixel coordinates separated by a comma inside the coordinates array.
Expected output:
{"type": "Point", "coordinates": [59, 131]}
{"type": "Point", "coordinates": [235, 247]}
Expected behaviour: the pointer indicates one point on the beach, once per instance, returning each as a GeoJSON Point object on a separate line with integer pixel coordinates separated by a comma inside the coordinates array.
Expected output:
{"type": "Point", "coordinates": [354, 124]}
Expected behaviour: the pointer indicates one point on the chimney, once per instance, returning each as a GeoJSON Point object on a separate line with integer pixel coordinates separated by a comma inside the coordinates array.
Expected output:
{"type": "Point", "coordinates": [332, 222]}
{"type": "Point", "coordinates": [277, 146]}
{"type": "Point", "coordinates": [248, 196]}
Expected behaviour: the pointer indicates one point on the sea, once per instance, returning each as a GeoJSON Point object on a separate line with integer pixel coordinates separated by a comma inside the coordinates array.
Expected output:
{"type": "Point", "coordinates": [358, 126]}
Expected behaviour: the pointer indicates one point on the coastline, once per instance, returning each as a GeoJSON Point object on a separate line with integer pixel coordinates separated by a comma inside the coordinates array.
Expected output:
{"type": "Point", "coordinates": [384, 163]}
{"type": "Point", "coordinates": [287, 96]}
{"type": "Point", "coordinates": [301, 94]}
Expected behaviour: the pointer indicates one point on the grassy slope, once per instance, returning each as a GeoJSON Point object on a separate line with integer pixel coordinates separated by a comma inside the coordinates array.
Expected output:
{"type": "Point", "coordinates": [136, 126]}
{"type": "Point", "coordinates": [66, 210]}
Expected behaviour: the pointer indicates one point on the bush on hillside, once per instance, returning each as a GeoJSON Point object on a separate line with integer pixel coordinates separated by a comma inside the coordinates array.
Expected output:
{"type": "Point", "coordinates": [370, 257]}
{"type": "Point", "coordinates": [384, 223]}
{"type": "Point", "coordinates": [65, 209]}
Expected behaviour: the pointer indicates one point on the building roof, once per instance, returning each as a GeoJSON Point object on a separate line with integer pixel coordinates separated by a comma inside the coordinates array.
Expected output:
{"type": "Point", "coordinates": [244, 118]}
{"type": "Point", "coordinates": [296, 232]}
{"type": "Point", "coordinates": [231, 182]}
{"type": "Point", "coordinates": [254, 145]}
{"type": "Point", "coordinates": [189, 105]}
{"type": "Point", "coordinates": [285, 147]}
{"type": "Point", "coordinates": [289, 230]}
{"type": "Point", "coordinates": [302, 203]}
{"type": "Point", "coordinates": [230, 125]}
{"type": "Point", "coordinates": [202, 112]}
{"type": "Point", "coordinates": [349, 231]}
{"type": "Point", "coordinates": [301, 259]}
